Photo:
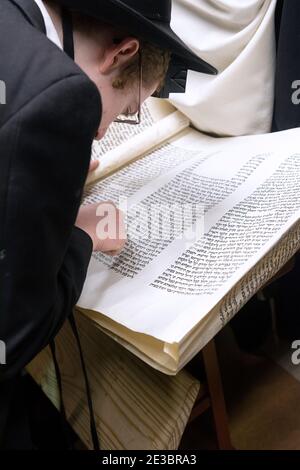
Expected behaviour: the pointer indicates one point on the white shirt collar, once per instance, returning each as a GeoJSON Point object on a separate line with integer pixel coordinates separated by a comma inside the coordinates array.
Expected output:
{"type": "Point", "coordinates": [50, 28]}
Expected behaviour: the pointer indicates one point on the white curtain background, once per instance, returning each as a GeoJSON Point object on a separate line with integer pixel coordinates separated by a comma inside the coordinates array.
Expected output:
{"type": "Point", "coordinates": [238, 38]}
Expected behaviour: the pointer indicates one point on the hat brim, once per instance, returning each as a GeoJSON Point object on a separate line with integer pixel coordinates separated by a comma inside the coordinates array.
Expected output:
{"type": "Point", "coordinates": [171, 41]}
{"type": "Point", "coordinates": [157, 32]}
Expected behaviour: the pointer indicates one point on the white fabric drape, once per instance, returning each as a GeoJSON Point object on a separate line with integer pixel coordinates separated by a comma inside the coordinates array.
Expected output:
{"type": "Point", "coordinates": [237, 37]}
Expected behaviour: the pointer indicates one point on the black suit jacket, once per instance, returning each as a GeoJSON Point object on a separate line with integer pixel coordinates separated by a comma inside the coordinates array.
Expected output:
{"type": "Point", "coordinates": [47, 126]}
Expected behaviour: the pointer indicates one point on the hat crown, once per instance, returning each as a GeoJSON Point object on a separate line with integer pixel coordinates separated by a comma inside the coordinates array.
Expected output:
{"type": "Point", "coordinates": [147, 19]}
{"type": "Point", "coordinates": [159, 10]}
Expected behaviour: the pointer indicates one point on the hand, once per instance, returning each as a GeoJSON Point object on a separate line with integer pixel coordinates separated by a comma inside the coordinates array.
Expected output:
{"type": "Point", "coordinates": [93, 165]}
{"type": "Point", "coordinates": [104, 223]}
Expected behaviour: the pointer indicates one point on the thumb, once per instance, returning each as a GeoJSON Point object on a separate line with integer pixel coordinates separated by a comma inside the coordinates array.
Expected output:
{"type": "Point", "coordinates": [93, 165]}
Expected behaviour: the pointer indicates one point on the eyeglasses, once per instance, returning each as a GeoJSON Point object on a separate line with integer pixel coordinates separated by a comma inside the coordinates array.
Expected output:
{"type": "Point", "coordinates": [135, 118]}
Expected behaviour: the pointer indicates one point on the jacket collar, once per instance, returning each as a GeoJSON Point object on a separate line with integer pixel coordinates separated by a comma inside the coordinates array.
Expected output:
{"type": "Point", "coordinates": [32, 12]}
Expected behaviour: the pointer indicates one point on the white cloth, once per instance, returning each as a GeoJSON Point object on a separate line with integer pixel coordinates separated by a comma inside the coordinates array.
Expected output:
{"type": "Point", "coordinates": [50, 28]}
{"type": "Point", "coordinates": [237, 37]}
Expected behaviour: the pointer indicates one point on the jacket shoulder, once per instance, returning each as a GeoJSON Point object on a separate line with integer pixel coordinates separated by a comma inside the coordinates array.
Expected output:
{"type": "Point", "coordinates": [31, 63]}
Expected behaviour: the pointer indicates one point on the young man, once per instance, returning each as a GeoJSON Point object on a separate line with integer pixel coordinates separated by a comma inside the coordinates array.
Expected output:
{"type": "Point", "coordinates": [54, 109]}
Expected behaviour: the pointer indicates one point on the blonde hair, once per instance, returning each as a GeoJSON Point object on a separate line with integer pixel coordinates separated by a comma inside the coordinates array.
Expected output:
{"type": "Point", "coordinates": [155, 61]}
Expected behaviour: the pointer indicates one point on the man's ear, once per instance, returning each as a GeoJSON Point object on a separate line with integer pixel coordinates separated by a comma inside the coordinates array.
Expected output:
{"type": "Point", "coordinates": [117, 55]}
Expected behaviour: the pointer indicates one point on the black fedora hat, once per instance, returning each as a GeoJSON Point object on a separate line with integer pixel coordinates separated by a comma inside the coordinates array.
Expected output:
{"type": "Point", "coordinates": [147, 19]}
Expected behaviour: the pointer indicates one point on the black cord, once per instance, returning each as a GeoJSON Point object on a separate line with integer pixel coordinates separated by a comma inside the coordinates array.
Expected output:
{"type": "Point", "coordinates": [62, 405]}
{"type": "Point", "coordinates": [93, 426]}
{"type": "Point", "coordinates": [67, 25]}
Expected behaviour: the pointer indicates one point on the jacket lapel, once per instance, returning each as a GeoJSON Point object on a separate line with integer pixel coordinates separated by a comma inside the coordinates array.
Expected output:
{"type": "Point", "coordinates": [32, 12]}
